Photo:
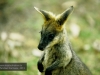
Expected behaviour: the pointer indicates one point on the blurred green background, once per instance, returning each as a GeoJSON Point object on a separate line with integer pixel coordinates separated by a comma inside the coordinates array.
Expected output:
{"type": "Point", "coordinates": [20, 24]}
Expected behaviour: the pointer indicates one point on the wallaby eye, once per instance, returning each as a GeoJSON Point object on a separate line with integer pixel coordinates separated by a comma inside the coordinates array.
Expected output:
{"type": "Point", "coordinates": [51, 36]}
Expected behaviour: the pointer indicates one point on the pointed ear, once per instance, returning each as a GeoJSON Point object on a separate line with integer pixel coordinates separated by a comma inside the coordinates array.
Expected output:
{"type": "Point", "coordinates": [63, 16]}
{"type": "Point", "coordinates": [45, 14]}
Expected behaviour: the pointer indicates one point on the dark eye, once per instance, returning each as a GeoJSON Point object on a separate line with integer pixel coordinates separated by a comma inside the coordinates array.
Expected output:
{"type": "Point", "coordinates": [51, 36]}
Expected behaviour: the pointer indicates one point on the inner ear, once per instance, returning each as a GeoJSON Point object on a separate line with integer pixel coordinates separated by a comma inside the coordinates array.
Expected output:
{"type": "Point", "coordinates": [45, 14]}
{"type": "Point", "coordinates": [63, 16]}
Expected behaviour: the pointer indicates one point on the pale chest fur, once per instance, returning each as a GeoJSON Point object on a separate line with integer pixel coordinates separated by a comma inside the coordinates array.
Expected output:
{"type": "Point", "coordinates": [50, 57]}
{"type": "Point", "coordinates": [62, 53]}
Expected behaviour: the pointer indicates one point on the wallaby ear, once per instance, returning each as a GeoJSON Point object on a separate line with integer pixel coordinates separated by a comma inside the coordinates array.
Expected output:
{"type": "Point", "coordinates": [45, 14]}
{"type": "Point", "coordinates": [63, 16]}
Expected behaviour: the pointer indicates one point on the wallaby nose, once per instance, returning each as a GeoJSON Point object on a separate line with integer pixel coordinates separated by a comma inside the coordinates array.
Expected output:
{"type": "Point", "coordinates": [40, 47]}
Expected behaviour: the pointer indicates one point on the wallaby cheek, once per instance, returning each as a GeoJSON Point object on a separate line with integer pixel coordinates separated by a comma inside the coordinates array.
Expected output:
{"type": "Point", "coordinates": [44, 42]}
{"type": "Point", "coordinates": [54, 41]}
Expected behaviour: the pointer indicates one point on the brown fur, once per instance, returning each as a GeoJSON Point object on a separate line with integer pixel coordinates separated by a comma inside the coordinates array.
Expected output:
{"type": "Point", "coordinates": [59, 57]}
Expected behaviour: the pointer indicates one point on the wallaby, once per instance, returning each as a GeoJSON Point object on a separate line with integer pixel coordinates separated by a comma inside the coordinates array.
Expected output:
{"type": "Point", "coordinates": [58, 57]}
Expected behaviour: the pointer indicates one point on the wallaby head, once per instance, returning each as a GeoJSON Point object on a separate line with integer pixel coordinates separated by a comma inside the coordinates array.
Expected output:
{"type": "Point", "coordinates": [52, 28]}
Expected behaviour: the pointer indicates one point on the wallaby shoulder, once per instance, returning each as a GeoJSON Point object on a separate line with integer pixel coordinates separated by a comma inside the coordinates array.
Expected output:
{"type": "Point", "coordinates": [76, 66]}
